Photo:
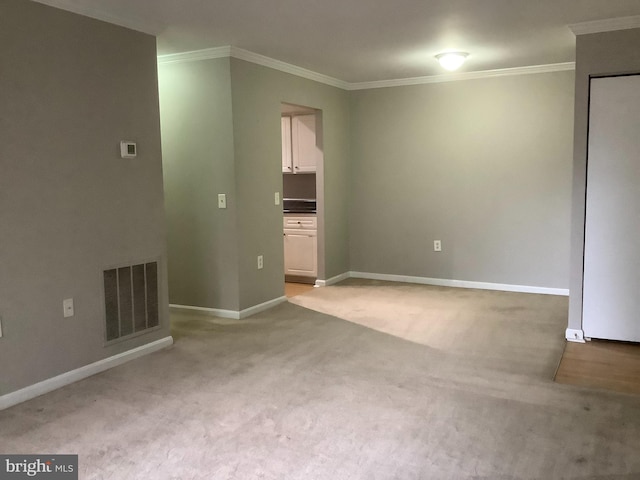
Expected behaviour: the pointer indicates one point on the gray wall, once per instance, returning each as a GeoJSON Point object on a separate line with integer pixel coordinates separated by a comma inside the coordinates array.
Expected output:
{"type": "Point", "coordinates": [221, 134]}
{"type": "Point", "coordinates": [257, 96]}
{"type": "Point", "coordinates": [596, 55]}
{"type": "Point", "coordinates": [71, 89]}
{"type": "Point", "coordinates": [197, 144]}
{"type": "Point", "coordinates": [483, 165]}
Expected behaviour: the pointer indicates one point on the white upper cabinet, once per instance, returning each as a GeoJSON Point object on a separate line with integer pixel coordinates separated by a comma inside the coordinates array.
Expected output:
{"type": "Point", "coordinates": [303, 143]}
{"type": "Point", "coordinates": [287, 165]}
{"type": "Point", "coordinates": [300, 152]}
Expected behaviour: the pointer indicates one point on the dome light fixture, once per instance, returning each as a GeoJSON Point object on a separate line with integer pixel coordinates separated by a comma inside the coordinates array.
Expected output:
{"type": "Point", "coordinates": [452, 60]}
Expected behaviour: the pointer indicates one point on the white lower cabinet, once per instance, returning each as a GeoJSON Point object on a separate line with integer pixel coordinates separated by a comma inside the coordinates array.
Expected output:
{"type": "Point", "coordinates": [300, 246]}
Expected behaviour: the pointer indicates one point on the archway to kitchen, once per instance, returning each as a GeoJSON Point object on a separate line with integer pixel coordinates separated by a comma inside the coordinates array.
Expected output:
{"type": "Point", "coordinates": [303, 199]}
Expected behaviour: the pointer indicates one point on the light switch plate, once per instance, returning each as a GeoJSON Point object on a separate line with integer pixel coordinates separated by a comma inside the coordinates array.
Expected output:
{"type": "Point", "coordinates": [222, 200]}
{"type": "Point", "coordinates": [277, 198]}
{"type": "Point", "coordinates": [67, 307]}
{"type": "Point", "coordinates": [437, 246]}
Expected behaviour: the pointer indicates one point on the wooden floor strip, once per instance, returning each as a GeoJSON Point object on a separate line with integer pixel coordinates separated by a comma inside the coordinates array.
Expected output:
{"type": "Point", "coordinates": [293, 289]}
{"type": "Point", "coordinates": [601, 364]}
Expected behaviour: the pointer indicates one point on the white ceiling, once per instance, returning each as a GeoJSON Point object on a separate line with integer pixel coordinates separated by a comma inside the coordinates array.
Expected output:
{"type": "Point", "coordinates": [366, 40]}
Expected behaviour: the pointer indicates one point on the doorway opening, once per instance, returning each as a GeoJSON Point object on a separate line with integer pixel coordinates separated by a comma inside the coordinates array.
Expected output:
{"type": "Point", "coordinates": [302, 197]}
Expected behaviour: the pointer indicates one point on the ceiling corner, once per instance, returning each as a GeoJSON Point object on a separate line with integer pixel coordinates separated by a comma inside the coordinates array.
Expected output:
{"type": "Point", "coordinates": [140, 25]}
{"type": "Point", "coordinates": [607, 25]}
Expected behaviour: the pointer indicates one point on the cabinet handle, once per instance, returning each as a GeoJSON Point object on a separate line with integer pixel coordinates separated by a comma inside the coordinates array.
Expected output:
{"type": "Point", "coordinates": [297, 167]}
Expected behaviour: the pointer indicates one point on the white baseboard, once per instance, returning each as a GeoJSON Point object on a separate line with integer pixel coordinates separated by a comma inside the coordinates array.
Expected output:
{"type": "Point", "coordinates": [233, 314]}
{"type": "Point", "coordinates": [81, 373]}
{"type": "Point", "coordinates": [210, 312]}
{"type": "Point", "coordinates": [461, 283]}
{"type": "Point", "coordinates": [573, 335]}
{"type": "Point", "coordinates": [247, 312]}
{"type": "Point", "coordinates": [333, 280]}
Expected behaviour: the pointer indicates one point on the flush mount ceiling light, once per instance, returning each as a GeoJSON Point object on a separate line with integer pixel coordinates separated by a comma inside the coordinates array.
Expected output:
{"type": "Point", "coordinates": [452, 60]}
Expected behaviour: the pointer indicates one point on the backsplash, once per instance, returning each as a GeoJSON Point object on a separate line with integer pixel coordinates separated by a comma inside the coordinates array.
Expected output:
{"type": "Point", "coordinates": [299, 186]}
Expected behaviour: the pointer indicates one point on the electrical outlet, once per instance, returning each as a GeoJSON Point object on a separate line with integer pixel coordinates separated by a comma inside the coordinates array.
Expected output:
{"type": "Point", "coordinates": [260, 262]}
{"type": "Point", "coordinates": [437, 246]}
{"type": "Point", "coordinates": [67, 307]}
{"type": "Point", "coordinates": [222, 200]}
{"type": "Point", "coordinates": [276, 198]}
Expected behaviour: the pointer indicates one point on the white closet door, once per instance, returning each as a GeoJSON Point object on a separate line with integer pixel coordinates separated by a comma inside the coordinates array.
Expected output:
{"type": "Point", "coordinates": [611, 294]}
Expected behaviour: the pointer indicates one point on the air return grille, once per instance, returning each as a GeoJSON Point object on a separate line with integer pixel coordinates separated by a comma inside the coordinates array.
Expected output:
{"type": "Point", "coordinates": [131, 300]}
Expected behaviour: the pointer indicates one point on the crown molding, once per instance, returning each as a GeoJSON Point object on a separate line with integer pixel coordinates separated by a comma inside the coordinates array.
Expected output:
{"type": "Point", "coordinates": [607, 25]}
{"type": "Point", "coordinates": [138, 24]}
{"type": "Point", "coordinates": [453, 77]}
{"type": "Point", "coordinates": [206, 54]}
{"type": "Point", "coordinates": [258, 59]}
{"type": "Point", "coordinates": [246, 55]}
{"type": "Point", "coordinates": [241, 54]}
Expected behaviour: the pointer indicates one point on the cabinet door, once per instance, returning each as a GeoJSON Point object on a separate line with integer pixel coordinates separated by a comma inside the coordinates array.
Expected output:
{"type": "Point", "coordinates": [287, 164]}
{"type": "Point", "coordinates": [305, 150]}
{"type": "Point", "coordinates": [300, 256]}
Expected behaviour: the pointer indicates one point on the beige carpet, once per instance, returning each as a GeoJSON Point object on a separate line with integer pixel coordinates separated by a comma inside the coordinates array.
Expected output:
{"type": "Point", "coordinates": [492, 325]}
{"type": "Point", "coordinates": [295, 394]}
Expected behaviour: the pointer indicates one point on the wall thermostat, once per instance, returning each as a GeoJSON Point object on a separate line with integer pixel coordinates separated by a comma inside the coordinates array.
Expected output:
{"type": "Point", "coordinates": [128, 149]}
